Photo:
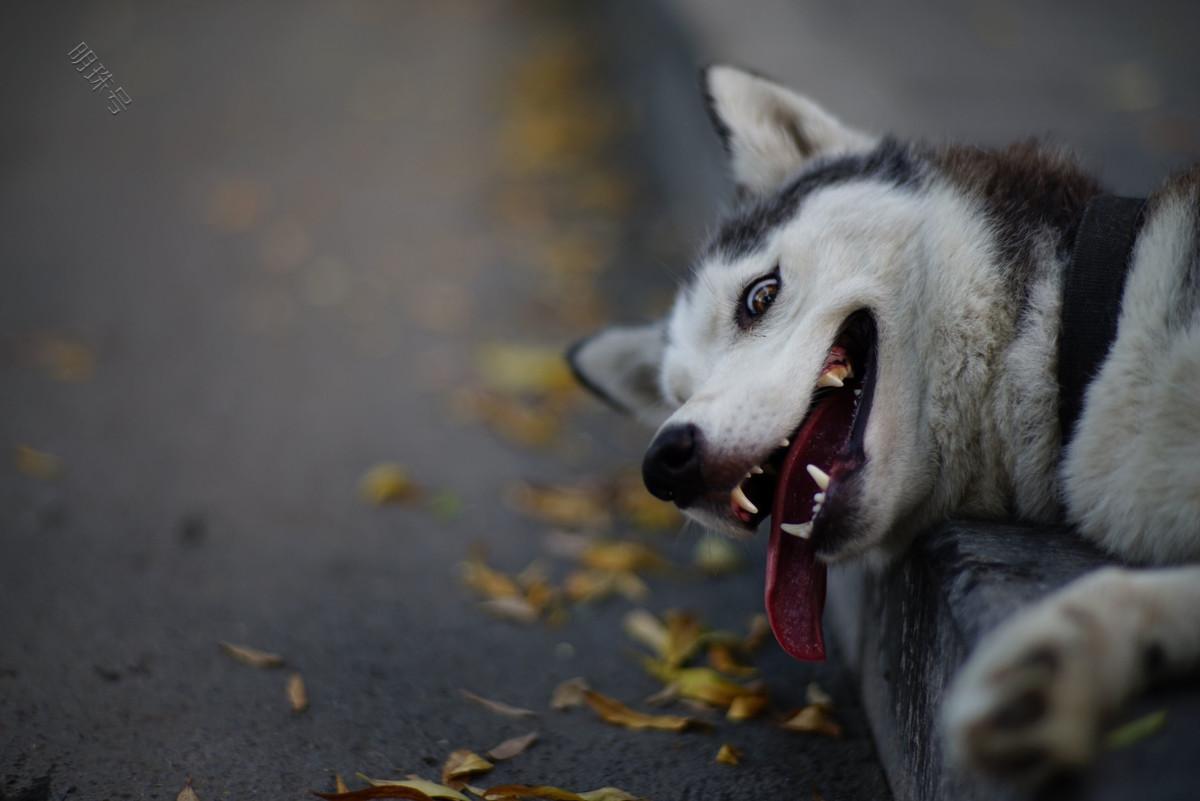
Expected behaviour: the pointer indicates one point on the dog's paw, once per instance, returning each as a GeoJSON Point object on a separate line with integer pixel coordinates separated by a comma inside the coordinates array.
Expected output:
{"type": "Point", "coordinates": [1028, 703]}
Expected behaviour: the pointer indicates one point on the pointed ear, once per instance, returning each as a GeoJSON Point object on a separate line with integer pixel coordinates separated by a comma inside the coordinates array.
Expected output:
{"type": "Point", "coordinates": [621, 366]}
{"type": "Point", "coordinates": [770, 131]}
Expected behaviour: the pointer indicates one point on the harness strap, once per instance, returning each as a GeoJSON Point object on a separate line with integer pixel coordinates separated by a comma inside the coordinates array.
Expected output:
{"type": "Point", "coordinates": [1091, 298]}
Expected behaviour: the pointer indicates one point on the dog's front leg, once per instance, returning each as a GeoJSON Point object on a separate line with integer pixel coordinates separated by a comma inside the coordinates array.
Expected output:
{"type": "Point", "coordinates": [1032, 698]}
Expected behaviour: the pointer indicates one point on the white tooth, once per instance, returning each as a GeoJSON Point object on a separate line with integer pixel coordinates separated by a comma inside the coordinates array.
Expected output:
{"type": "Point", "coordinates": [857, 392]}
{"type": "Point", "coordinates": [741, 500]}
{"type": "Point", "coordinates": [756, 471]}
{"type": "Point", "coordinates": [828, 379]}
{"type": "Point", "coordinates": [801, 530]}
{"type": "Point", "coordinates": [785, 442]}
{"type": "Point", "coordinates": [819, 476]}
{"type": "Point", "coordinates": [819, 498]}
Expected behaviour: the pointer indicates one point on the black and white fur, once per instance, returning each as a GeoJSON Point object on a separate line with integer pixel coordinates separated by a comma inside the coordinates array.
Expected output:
{"type": "Point", "coordinates": [959, 254]}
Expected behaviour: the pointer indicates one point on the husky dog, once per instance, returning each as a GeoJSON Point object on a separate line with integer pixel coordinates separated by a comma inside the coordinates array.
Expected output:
{"type": "Point", "coordinates": [868, 345]}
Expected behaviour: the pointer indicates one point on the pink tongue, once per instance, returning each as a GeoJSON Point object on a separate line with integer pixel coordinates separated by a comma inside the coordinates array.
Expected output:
{"type": "Point", "coordinates": [795, 595]}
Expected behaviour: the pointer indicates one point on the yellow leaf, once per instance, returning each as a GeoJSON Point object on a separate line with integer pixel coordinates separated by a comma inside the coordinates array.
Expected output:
{"type": "Point", "coordinates": [513, 746]}
{"type": "Point", "coordinates": [745, 707]}
{"type": "Point", "coordinates": [583, 586]}
{"type": "Point", "coordinates": [644, 510]}
{"type": "Point", "coordinates": [817, 696]}
{"type": "Point", "coordinates": [613, 711]}
{"type": "Point", "coordinates": [37, 464]}
{"type": "Point", "coordinates": [571, 507]}
{"type": "Point", "coordinates": [524, 369]}
{"type": "Point", "coordinates": [431, 789]}
{"type": "Point", "coordinates": [703, 684]}
{"type": "Point", "coordinates": [647, 629]}
{"type": "Point", "coordinates": [760, 629]}
{"type": "Point", "coordinates": [621, 556]}
{"type": "Point", "coordinates": [728, 755]}
{"type": "Point", "coordinates": [386, 483]}
{"type": "Point", "coordinates": [488, 582]}
{"type": "Point", "coordinates": [499, 707]}
{"type": "Point", "coordinates": [463, 763]}
{"type": "Point", "coordinates": [716, 555]}
{"type": "Point", "coordinates": [569, 693]}
{"type": "Point", "coordinates": [517, 610]}
{"type": "Point", "coordinates": [252, 656]}
{"type": "Point", "coordinates": [187, 793]}
{"type": "Point", "coordinates": [814, 719]}
{"type": "Point", "coordinates": [509, 792]}
{"type": "Point", "coordinates": [722, 659]}
{"type": "Point", "coordinates": [296, 693]}
{"type": "Point", "coordinates": [339, 784]}
{"type": "Point", "coordinates": [528, 423]}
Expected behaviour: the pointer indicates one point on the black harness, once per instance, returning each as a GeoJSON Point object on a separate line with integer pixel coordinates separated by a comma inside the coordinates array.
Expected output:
{"type": "Point", "coordinates": [1091, 298]}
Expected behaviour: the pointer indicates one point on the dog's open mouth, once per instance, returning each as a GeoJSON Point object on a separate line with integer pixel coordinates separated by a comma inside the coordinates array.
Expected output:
{"type": "Point", "coordinates": [809, 485]}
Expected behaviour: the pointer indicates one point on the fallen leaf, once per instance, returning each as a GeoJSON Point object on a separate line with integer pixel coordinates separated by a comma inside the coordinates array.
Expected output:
{"type": "Point", "coordinates": [517, 610]}
{"type": "Point", "coordinates": [760, 629]}
{"type": "Point", "coordinates": [525, 369]}
{"type": "Point", "coordinates": [566, 545]}
{"type": "Point", "coordinates": [518, 791]}
{"type": "Point", "coordinates": [427, 788]}
{"type": "Point", "coordinates": [463, 763]}
{"type": "Point", "coordinates": [641, 508]}
{"type": "Point", "coordinates": [721, 658]}
{"type": "Point", "coordinates": [487, 581]}
{"type": "Point", "coordinates": [386, 483]}
{"type": "Point", "coordinates": [569, 693]}
{"type": "Point", "coordinates": [699, 683]}
{"type": "Point", "coordinates": [814, 719]}
{"type": "Point", "coordinates": [513, 746]}
{"type": "Point", "coordinates": [621, 556]}
{"type": "Point", "coordinates": [666, 695]}
{"type": "Point", "coordinates": [817, 696]}
{"type": "Point", "coordinates": [527, 423]}
{"type": "Point", "coordinates": [296, 693]}
{"type": "Point", "coordinates": [570, 507]}
{"type": "Point", "coordinates": [745, 707]}
{"type": "Point", "coordinates": [647, 629]}
{"type": "Point", "coordinates": [252, 656]}
{"type": "Point", "coordinates": [728, 755]}
{"type": "Point", "coordinates": [716, 555]}
{"type": "Point", "coordinates": [187, 793]}
{"type": "Point", "coordinates": [387, 791]}
{"type": "Point", "coordinates": [499, 707]}
{"type": "Point", "coordinates": [1135, 731]}
{"type": "Point", "coordinates": [613, 711]}
{"type": "Point", "coordinates": [585, 586]}
{"type": "Point", "coordinates": [339, 784]}
{"type": "Point", "coordinates": [37, 464]}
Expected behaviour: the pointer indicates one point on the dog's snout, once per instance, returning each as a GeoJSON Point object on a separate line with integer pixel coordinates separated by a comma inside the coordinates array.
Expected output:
{"type": "Point", "coordinates": [671, 468]}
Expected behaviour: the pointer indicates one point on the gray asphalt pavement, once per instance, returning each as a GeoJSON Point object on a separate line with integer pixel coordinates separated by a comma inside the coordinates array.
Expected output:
{"type": "Point", "coordinates": [273, 269]}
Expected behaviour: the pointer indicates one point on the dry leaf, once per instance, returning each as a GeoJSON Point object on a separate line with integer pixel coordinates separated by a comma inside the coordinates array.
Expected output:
{"type": "Point", "coordinates": [641, 508]}
{"type": "Point", "coordinates": [526, 423]}
{"type": "Point", "coordinates": [499, 707]}
{"type": "Point", "coordinates": [566, 545]}
{"type": "Point", "coordinates": [525, 369]}
{"type": "Point", "coordinates": [666, 695]}
{"type": "Point", "coordinates": [427, 788]}
{"type": "Point", "coordinates": [339, 784]}
{"type": "Point", "coordinates": [716, 555]}
{"type": "Point", "coordinates": [569, 693]}
{"type": "Point", "coordinates": [187, 793]}
{"type": "Point", "coordinates": [722, 659]}
{"type": "Point", "coordinates": [513, 746]}
{"type": "Point", "coordinates": [461, 764]}
{"type": "Point", "coordinates": [647, 629]}
{"type": "Point", "coordinates": [728, 755]}
{"type": "Point", "coordinates": [519, 791]}
{"type": "Point", "coordinates": [817, 696]}
{"type": "Point", "coordinates": [388, 791]}
{"type": "Point", "coordinates": [613, 711]}
{"type": "Point", "coordinates": [488, 582]}
{"type": "Point", "coordinates": [745, 707]}
{"type": "Point", "coordinates": [517, 610]}
{"type": "Point", "coordinates": [385, 483]}
{"type": "Point", "coordinates": [252, 656]}
{"type": "Point", "coordinates": [296, 693]}
{"type": "Point", "coordinates": [760, 629]}
{"type": "Point", "coordinates": [814, 719]}
{"type": "Point", "coordinates": [570, 507]}
{"type": "Point", "coordinates": [700, 684]}
{"type": "Point", "coordinates": [37, 464]}
{"type": "Point", "coordinates": [621, 556]}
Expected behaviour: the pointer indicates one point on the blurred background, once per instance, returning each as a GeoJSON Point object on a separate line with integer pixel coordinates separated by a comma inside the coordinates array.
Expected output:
{"type": "Point", "coordinates": [284, 288]}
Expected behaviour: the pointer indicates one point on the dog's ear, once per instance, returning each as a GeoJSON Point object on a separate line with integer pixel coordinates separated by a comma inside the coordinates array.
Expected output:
{"type": "Point", "coordinates": [768, 130]}
{"type": "Point", "coordinates": [621, 366]}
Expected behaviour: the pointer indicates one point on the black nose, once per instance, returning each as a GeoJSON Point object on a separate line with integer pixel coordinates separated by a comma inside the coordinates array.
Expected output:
{"type": "Point", "coordinates": [671, 468]}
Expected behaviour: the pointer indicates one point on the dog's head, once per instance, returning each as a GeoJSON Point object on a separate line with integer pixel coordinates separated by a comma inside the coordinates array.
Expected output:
{"type": "Point", "coordinates": [785, 380]}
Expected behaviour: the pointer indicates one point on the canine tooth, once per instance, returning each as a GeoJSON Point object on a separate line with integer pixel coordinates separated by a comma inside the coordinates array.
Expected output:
{"type": "Point", "coordinates": [819, 476]}
{"type": "Point", "coordinates": [819, 498]}
{"type": "Point", "coordinates": [756, 471]}
{"type": "Point", "coordinates": [801, 530]}
{"type": "Point", "coordinates": [857, 392]}
{"type": "Point", "coordinates": [828, 379]}
{"type": "Point", "coordinates": [739, 497]}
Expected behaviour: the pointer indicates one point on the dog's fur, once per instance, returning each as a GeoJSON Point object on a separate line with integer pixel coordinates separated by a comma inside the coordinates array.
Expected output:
{"type": "Point", "coordinates": [959, 254]}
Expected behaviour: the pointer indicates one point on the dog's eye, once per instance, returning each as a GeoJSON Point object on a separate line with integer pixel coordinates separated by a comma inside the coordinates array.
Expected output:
{"type": "Point", "coordinates": [759, 296]}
